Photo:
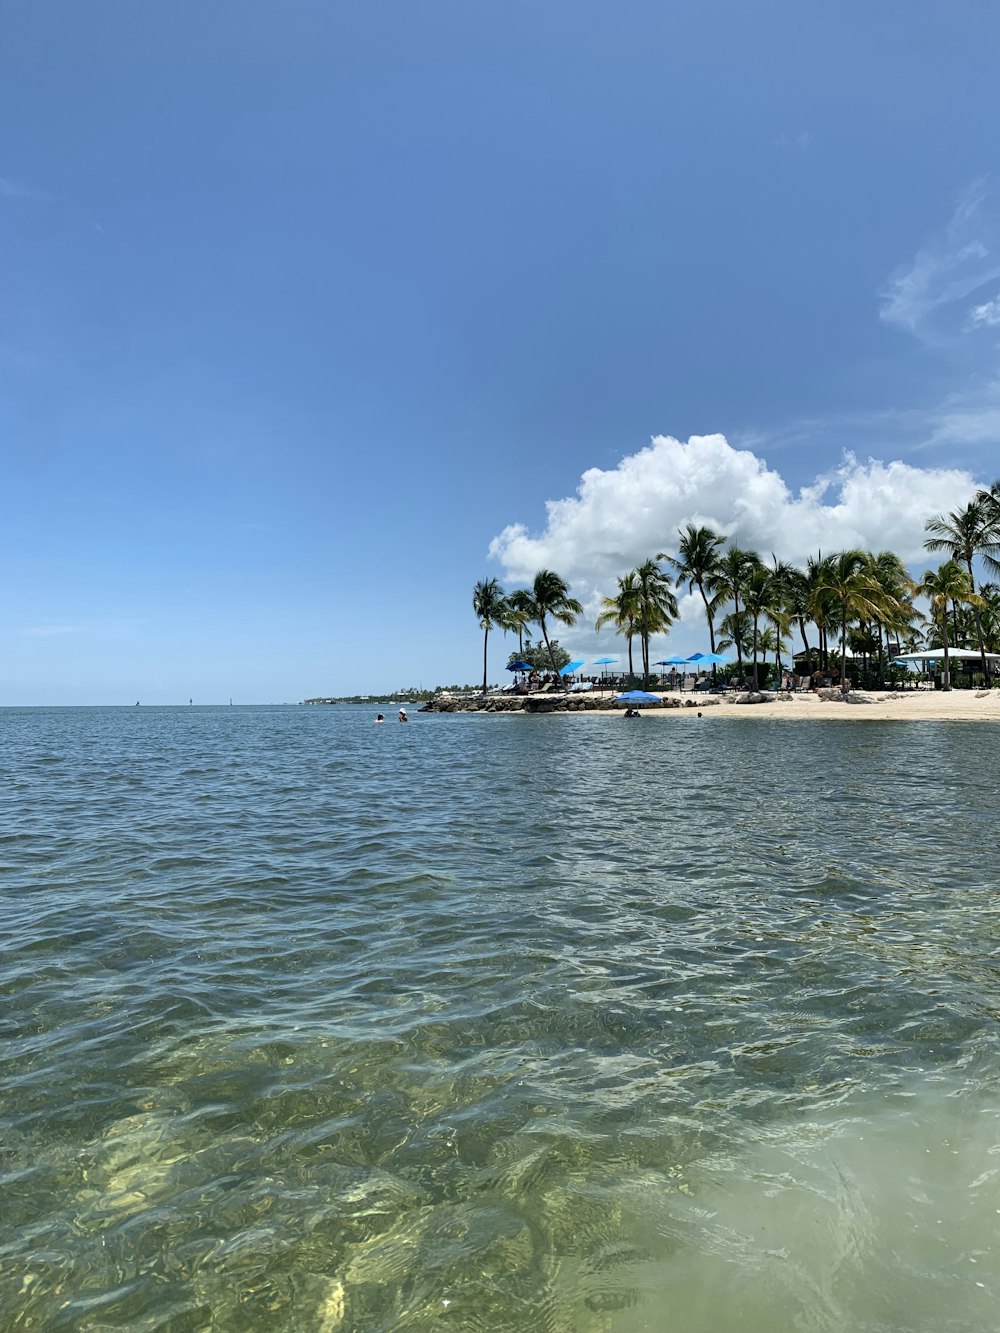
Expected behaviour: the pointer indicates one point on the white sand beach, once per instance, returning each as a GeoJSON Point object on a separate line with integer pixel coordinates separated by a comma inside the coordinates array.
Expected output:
{"type": "Point", "coordinates": [861, 705]}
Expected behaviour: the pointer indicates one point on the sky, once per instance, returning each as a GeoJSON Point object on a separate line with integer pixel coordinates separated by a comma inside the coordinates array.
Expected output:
{"type": "Point", "coordinates": [314, 314]}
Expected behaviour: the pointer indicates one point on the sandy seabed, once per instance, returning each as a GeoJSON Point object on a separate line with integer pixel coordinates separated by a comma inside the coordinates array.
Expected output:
{"type": "Point", "coordinates": [862, 705]}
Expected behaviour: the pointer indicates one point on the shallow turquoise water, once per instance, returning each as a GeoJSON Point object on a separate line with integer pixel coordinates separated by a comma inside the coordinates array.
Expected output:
{"type": "Point", "coordinates": [496, 1023]}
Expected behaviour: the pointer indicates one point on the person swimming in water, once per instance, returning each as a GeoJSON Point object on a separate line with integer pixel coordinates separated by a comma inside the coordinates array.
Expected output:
{"type": "Point", "coordinates": [379, 718]}
{"type": "Point", "coordinates": [402, 715]}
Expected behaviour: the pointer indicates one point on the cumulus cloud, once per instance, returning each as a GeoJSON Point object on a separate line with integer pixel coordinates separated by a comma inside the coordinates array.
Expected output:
{"type": "Point", "coordinates": [622, 516]}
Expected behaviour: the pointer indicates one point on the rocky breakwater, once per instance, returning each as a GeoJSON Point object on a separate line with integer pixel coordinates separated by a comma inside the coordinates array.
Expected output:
{"type": "Point", "coordinates": [547, 703]}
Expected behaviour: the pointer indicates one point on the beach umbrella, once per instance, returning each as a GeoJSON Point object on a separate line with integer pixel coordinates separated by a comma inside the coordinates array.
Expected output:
{"type": "Point", "coordinates": [605, 662]}
{"type": "Point", "coordinates": [637, 697]}
{"type": "Point", "coordinates": [708, 659]}
{"type": "Point", "coordinates": [674, 661]}
{"type": "Point", "coordinates": [570, 667]}
{"type": "Point", "coordinates": [519, 666]}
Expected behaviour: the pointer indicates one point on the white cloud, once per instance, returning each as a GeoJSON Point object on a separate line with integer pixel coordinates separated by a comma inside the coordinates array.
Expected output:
{"type": "Point", "coordinates": [988, 313]}
{"type": "Point", "coordinates": [48, 631]}
{"type": "Point", "coordinates": [925, 297]}
{"type": "Point", "coordinates": [620, 517]}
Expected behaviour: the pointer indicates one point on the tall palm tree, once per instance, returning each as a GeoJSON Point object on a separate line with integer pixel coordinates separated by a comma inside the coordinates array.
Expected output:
{"type": "Point", "coordinates": [818, 600]}
{"type": "Point", "coordinates": [990, 501]}
{"type": "Point", "coordinates": [990, 593]}
{"type": "Point", "coordinates": [727, 583]}
{"type": "Point", "coordinates": [490, 606]}
{"type": "Point", "coordinates": [796, 585]}
{"type": "Point", "coordinates": [764, 599]}
{"type": "Point", "coordinates": [696, 564]}
{"type": "Point", "coordinates": [550, 599]}
{"type": "Point", "coordinates": [857, 595]}
{"type": "Point", "coordinates": [949, 583]}
{"type": "Point", "coordinates": [657, 608]}
{"type": "Point", "coordinates": [622, 611]}
{"type": "Point", "coordinates": [518, 615]}
{"type": "Point", "coordinates": [964, 534]}
{"type": "Point", "coordinates": [890, 573]}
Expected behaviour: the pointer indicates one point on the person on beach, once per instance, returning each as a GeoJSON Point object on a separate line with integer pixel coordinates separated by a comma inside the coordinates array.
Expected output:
{"type": "Point", "coordinates": [632, 712]}
{"type": "Point", "coordinates": [379, 718]}
{"type": "Point", "coordinates": [402, 715]}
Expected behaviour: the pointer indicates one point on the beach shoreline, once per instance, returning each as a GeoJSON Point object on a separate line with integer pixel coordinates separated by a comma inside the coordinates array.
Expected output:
{"type": "Point", "coordinates": [860, 705]}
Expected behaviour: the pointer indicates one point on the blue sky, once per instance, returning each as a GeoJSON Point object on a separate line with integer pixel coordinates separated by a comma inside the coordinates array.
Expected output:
{"type": "Point", "coordinates": [307, 307]}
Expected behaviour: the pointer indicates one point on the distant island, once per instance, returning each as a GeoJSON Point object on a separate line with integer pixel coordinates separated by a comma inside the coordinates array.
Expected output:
{"type": "Point", "coordinates": [409, 696]}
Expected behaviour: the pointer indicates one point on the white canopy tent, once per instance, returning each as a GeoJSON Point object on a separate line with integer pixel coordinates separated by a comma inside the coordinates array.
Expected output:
{"type": "Point", "coordinates": [937, 655]}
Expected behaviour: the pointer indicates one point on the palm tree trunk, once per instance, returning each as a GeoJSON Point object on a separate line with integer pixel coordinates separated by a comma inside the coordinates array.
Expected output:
{"type": "Point", "coordinates": [486, 639]}
{"type": "Point", "coordinates": [548, 646]}
{"type": "Point", "coordinates": [711, 628]}
{"type": "Point", "coordinates": [979, 630]}
{"type": "Point", "coordinates": [755, 685]}
{"type": "Point", "coordinates": [708, 617]}
{"type": "Point", "coordinates": [845, 684]}
{"type": "Point", "coordinates": [946, 682]}
{"type": "Point", "coordinates": [631, 667]}
{"type": "Point", "coordinates": [805, 645]}
{"type": "Point", "coordinates": [737, 635]}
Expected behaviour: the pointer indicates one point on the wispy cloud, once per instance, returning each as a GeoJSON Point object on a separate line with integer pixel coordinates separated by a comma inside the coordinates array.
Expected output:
{"type": "Point", "coordinates": [927, 296]}
{"type": "Point", "coordinates": [11, 189]}
{"type": "Point", "coordinates": [49, 631]}
{"type": "Point", "coordinates": [797, 142]}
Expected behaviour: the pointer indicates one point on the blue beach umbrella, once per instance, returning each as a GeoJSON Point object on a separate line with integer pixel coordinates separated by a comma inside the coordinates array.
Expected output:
{"type": "Point", "coordinates": [637, 697]}
{"type": "Point", "coordinates": [519, 666]}
{"type": "Point", "coordinates": [605, 661]}
{"type": "Point", "coordinates": [708, 659]}
{"type": "Point", "coordinates": [570, 667]}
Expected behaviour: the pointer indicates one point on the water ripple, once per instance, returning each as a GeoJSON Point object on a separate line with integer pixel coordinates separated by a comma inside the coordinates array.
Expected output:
{"type": "Point", "coordinates": [496, 1023]}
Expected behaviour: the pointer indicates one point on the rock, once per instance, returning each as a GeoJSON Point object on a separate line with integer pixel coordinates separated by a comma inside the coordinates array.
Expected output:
{"type": "Point", "coordinates": [754, 697]}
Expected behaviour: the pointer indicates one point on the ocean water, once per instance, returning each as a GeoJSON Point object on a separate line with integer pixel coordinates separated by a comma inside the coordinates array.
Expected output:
{"type": "Point", "coordinates": [497, 1023]}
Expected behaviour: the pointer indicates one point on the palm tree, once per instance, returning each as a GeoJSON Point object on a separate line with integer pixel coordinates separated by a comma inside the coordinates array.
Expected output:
{"type": "Point", "coordinates": [490, 606]}
{"type": "Point", "coordinates": [622, 611]}
{"type": "Point", "coordinates": [764, 599]}
{"type": "Point", "coordinates": [890, 573]}
{"type": "Point", "coordinates": [964, 534]}
{"type": "Point", "coordinates": [990, 501]}
{"type": "Point", "coordinates": [727, 584]}
{"type": "Point", "coordinates": [696, 564]}
{"type": "Point", "coordinates": [990, 593]}
{"type": "Point", "coordinates": [518, 615]}
{"type": "Point", "coordinates": [801, 602]}
{"type": "Point", "coordinates": [550, 598]}
{"type": "Point", "coordinates": [818, 601]}
{"type": "Point", "coordinates": [851, 587]}
{"type": "Point", "coordinates": [949, 583]}
{"type": "Point", "coordinates": [657, 608]}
